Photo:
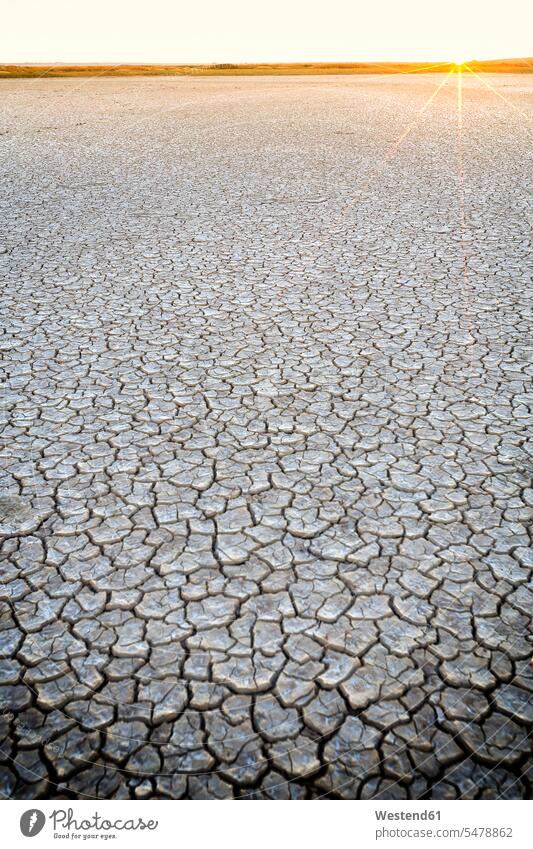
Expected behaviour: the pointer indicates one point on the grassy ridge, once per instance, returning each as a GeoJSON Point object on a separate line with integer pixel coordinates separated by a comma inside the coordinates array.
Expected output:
{"type": "Point", "coordinates": [498, 66]}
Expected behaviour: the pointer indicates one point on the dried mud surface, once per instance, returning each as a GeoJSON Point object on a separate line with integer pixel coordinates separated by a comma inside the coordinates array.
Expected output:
{"type": "Point", "coordinates": [266, 490]}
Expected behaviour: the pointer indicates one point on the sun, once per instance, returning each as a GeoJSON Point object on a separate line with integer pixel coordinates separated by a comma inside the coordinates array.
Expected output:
{"type": "Point", "coordinates": [459, 62]}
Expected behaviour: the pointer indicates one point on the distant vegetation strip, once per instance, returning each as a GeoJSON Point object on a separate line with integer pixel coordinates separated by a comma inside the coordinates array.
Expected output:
{"type": "Point", "coordinates": [495, 66]}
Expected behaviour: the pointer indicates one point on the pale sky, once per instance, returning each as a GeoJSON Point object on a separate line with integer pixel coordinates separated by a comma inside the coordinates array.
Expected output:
{"type": "Point", "coordinates": [118, 31]}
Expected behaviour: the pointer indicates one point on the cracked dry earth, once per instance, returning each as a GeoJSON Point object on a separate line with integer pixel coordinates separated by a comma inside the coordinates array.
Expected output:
{"type": "Point", "coordinates": [266, 488]}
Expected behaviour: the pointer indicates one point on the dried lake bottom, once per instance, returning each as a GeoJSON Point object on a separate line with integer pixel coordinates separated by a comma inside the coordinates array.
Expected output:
{"type": "Point", "coordinates": [266, 489]}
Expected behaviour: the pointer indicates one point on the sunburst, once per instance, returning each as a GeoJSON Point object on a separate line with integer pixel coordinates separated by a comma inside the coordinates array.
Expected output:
{"type": "Point", "coordinates": [459, 63]}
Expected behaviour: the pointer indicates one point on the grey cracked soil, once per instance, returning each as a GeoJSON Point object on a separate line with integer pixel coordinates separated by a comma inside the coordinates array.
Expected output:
{"type": "Point", "coordinates": [266, 489]}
